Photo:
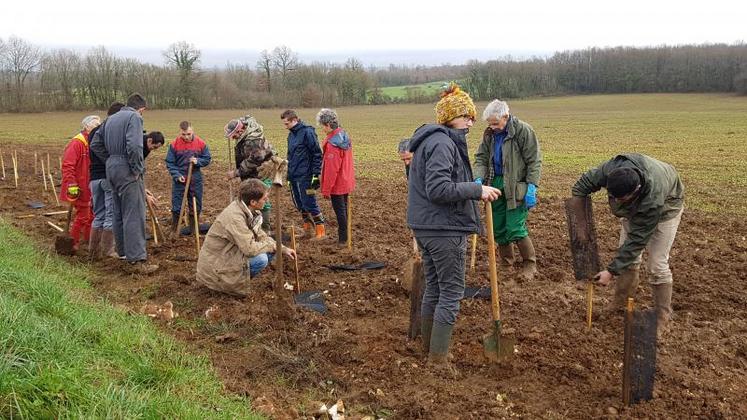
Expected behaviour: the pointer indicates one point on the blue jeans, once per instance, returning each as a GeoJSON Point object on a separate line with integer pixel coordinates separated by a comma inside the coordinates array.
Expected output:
{"type": "Point", "coordinates": [101, 201]}
{"type": "Point", "coordinates": [258, 263]}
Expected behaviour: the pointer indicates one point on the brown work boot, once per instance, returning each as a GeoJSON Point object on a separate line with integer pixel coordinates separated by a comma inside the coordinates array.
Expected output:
{"type": "Point", "coordinates": [141, 267]}
{"type": "Point", "coordinates": [107, 244]}
{"type": "Point", "coordinates": [625, 286]}
{"type": "Point", "coordinates": [663, 303]}
{"type": "Point", "coordinates": [506, 255]}
{"type": "Point", "coordinates": [321, 233]}
{"type": "Point", "coordinates": [529, 263]}
{"type": "Point", "coordinates": [94, 246]}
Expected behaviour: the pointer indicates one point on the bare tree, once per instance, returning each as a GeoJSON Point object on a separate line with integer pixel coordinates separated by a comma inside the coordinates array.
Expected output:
{"type": "Point", "coordinates": [61, 70]}
{"type": "Point", "coordinates": [264, 66]}
{"type": "Point", "coordinates": [185, 57]}
{"type": "Point", "coordinates": [284, 60]}
{"type": "Point", "coordinates": [20, 58]}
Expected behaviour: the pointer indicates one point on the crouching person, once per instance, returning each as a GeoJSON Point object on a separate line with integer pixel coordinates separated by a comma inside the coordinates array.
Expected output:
{"type": "Point", "coordinates": [236, 248]}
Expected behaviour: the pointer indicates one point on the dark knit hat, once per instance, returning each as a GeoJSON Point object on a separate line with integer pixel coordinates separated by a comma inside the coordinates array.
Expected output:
{"type": "Point", "coordinates": [622, 181]}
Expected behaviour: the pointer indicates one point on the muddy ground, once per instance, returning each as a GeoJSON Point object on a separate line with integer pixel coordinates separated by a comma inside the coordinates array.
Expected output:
{"type": "Point", "coordinates": [358, 351]}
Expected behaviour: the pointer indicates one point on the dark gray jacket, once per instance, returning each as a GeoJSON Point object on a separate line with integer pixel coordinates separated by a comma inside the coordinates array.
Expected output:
{"type": "Point", "coordinates": [661, 198]}
{"type": "Point", "coordinates": [441, 192]}
{"type": "Point", "coordinates": [123, 136]}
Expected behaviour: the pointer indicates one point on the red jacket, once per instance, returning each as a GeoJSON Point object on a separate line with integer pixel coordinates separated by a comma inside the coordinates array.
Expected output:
{"type": "Point", "coordinates": [338, 174]}
{"type": "Point", "coordinates": [75, 168]}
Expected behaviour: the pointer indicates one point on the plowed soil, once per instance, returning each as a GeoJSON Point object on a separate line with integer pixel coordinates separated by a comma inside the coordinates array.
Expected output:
{"type": "Point", "coordinates": [358, 351]}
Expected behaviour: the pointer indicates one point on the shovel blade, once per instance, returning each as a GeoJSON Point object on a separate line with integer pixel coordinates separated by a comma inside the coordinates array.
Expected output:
{"type": "Point", "coordinates": [497, 348]}
{"type": "Point", "coordinates": [64, 245]}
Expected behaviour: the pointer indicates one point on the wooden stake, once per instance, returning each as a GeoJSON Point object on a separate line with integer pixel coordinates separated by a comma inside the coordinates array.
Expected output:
{"type": "Point", "coordinates": [230, 166]}
{"type": "Point", "coordinates": [197, 226]}
{"type": "Point", "coordinates": [36, 168]}
{"type": "Point", "coordinates": [25, 216]}
{"type": "Point", "coordinates": [152, 223]}
{"type": "Point", "coordinates": [15, 167]}
{"type": "Point", "coordinates": [183, 213]}
{"type": "Point", "coordinates": [59, 159]}
{"type": "Point", "coordinates": [279, 283]}
{"type": "Point", "coordinates": [157, 224]}
{"type": "Point", "coordinates": [44, 177]}
{"type": "Point", "coordinates": [590, 302]}
{"type": "Point", "coordinates": [54, 190]}
{"type": "Point", "coordinates": [2, 163]}
{"type": "Point", "coordinates": [295, 262]}
{"type": "Point", "coordinates": [350, 223]}
{"type": "Point", "coordinates": [54, 213]}
{"type": "Point", "coordinates": [49, 165]}
{"type": "Point", "coordinates": [55, 226]}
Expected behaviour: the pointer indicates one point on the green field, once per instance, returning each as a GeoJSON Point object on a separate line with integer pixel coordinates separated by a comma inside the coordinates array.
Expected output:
{"type": "Point", "coordinates": [426, 89]}
{"type": "Point", "coordinates": [703, 135]}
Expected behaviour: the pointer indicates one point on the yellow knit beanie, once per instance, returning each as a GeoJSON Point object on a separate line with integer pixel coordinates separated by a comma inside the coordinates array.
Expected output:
{"type": "Point", "coordinates": [453, 104]}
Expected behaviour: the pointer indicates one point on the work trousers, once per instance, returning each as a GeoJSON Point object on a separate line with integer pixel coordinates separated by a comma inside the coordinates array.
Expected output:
{"type": "Point", "coordinates": [340, 206]}
{"type": "Point", "coordinates": [81, 224]}
{"type": "Point", "coordinates": [509, 225]}
{"type": "Point", "coordinates": [658, 249]}
{"type": "Point", "coordinates": [101, 197]}
{"type": "Point", "coordinates": [128, 204]}
{"type": "Point", "coordinates": [443, 263]}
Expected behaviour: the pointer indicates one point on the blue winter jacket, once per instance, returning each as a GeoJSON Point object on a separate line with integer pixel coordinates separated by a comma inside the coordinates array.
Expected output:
{"type": "Point", "coordinates": [304, 153]}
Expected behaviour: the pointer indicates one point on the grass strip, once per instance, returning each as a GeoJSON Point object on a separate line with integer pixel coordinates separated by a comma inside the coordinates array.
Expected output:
{"type": "Point", "coordinates": [64, 354]}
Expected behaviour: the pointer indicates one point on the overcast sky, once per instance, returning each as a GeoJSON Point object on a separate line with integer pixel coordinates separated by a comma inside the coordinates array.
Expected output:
{"type": "Point", "coordinates": [326, 27]}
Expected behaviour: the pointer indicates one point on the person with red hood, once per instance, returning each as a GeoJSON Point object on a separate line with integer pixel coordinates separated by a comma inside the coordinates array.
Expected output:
{"type": "Point", "coordinates": [338, 173]}
{"type": "Point", "coordinates": [75, 176]}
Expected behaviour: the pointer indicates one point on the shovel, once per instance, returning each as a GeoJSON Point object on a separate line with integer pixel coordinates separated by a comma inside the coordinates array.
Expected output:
{"type": "Point", "coordinates": [494, 346]}
{"type": "Point", "coordinates": [63, 243]}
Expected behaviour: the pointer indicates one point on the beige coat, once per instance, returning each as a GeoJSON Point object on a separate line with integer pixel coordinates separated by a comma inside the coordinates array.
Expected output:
{"type": "Point", "coordinates": [232, 240]}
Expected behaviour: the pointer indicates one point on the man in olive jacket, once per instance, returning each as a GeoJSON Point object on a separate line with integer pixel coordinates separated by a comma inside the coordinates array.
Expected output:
{"type": "Point", "coordinates": [649, 197]}
{"type": "Point", "coordinates": [236, 248]}
{"type": "Point", "coordinates": [509, 159]}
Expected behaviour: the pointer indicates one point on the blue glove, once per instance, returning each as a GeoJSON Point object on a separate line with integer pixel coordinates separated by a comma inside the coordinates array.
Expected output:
{"type": "Point", "coordinates": [530, 199]}
{"type": "Point", "coordinates": [478, 181]}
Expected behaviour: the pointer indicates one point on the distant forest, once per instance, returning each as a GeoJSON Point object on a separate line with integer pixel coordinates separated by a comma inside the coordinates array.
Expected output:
{"type": "Point", "coordinates": [35, 80]}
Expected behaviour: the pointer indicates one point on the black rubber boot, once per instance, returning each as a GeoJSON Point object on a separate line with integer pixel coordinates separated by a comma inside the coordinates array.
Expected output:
{"type": "Point", "coordinates": [438, 356]}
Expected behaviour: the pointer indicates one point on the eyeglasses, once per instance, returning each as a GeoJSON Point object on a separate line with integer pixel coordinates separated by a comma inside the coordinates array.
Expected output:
{"type": "Point", "coordinates": [467, 117]}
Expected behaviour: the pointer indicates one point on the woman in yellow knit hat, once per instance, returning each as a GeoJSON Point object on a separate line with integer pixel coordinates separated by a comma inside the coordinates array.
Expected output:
{"type": "Point", "coordinates": [442, 211]}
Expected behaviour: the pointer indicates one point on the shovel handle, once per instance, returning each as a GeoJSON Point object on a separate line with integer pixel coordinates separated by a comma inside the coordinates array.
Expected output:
{"type": "Point", "coordinates": [295, 261]}
{"type": "Point", "coordinates": [495, 305]}
{"type": "Point", "coordinates": [474, 253]}
{"type": "Point", "coordinates": [69, 217]}
{"type": "Point", "coordinates": [184, 210]}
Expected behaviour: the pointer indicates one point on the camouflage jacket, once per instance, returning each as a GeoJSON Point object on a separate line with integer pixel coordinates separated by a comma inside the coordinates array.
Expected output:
{"type": "Point", "coordinates": [252, 149]}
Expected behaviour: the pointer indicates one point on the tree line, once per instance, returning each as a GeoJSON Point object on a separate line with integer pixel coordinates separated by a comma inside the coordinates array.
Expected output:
{"type": "Point", "coordinates": [32, 79]}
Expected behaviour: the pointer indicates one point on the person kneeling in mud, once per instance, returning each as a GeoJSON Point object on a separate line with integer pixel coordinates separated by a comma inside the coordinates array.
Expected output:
{"type": "Point", "coordinates": [236, 248]}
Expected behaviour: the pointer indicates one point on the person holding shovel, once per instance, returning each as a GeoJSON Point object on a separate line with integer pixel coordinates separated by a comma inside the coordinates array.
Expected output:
{"type": "Point", "coordinates": [75, 177]}
{"type": "Point", "coordinates": [236, 249]}
{"type": "Point", "coordinates": [509, 159]}
{"type": "Point", "coordinates": [648, 196]}
{"type": "Point", "coordinates": [185, 150]}
{"type": "Point", "coordinates": [338, 173]}
{"type": "Point", "coordinates": [251, 151]}
{"type": "Point", "coordinates": [442, 211]}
